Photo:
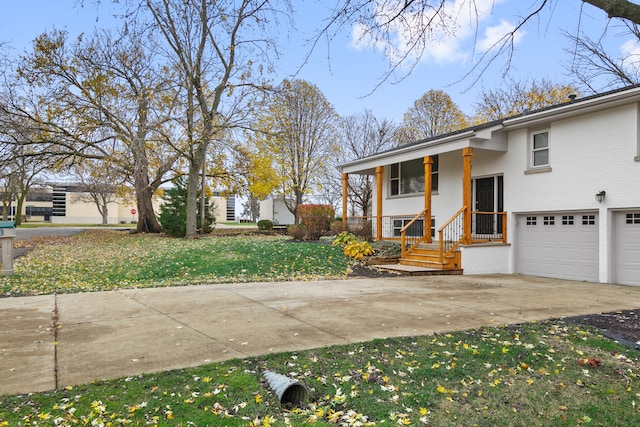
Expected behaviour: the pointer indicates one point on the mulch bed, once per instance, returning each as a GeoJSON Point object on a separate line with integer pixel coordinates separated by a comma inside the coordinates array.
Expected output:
{"type": "Point", "coordinates": [622, 326]}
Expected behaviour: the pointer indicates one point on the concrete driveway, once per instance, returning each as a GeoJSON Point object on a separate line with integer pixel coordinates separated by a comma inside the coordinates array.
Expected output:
{"type": "Point", "coordinates": [121, 333]}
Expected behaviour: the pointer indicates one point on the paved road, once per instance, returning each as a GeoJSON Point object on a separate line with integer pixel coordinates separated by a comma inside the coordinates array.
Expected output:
{"type": "Point", "coordinates": [127, 332]}
{"type": "Point", "coordinates": [27, 233]}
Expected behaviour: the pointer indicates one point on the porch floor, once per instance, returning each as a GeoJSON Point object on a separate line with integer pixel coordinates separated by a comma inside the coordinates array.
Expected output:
{"type": "Point", "coordinates": [411, 270]}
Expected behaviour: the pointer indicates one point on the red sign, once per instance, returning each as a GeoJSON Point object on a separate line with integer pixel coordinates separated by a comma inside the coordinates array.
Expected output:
{"type": "Point", "coordinates": [133, 211]}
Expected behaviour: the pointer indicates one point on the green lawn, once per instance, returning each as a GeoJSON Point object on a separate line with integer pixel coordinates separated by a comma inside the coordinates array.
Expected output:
{"type": "Point", "coordinates": [106, 259]}
{"type": "Point", "coordinates": [537, 374]}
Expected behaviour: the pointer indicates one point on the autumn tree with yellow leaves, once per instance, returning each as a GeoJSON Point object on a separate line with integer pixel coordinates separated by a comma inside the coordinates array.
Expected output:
{"type": "Point", "coordinates": [434, 113]}
{"type": "Point", "coordinates": [297, 137]}
{"type": "Point", "coordinates": [516, 97]}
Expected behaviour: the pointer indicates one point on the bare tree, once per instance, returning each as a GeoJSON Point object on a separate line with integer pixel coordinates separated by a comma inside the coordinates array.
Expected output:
{"type": "Point", "coordinates": [98, 183]}
{"type": "Point", "coordinates": [597, 69]}
{"type": "Point", "coordinates": [418, 22]}
{"type": "Point", "coordinates": [362, 135]}
{"type": "Point", "coordinates": [214, 46]}
{"type": "Point", "coordinates": [22, 164]}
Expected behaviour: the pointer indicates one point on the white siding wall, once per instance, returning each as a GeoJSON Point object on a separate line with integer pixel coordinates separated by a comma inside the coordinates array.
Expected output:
{"type": "Point", "coordinates": [589, 153]}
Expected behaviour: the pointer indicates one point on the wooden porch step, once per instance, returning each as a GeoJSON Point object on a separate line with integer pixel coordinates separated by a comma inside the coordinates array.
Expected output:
{"type": "Point", "coordinates": [411, 270]}
{"type": "Point", "coordinates": [423, 263]}
{"type": "Point", "coordinates": [430, 258]}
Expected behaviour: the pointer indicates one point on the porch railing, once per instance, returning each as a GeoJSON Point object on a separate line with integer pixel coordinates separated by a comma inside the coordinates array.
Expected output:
{"type": "Point", "coordinates": [410, 229]}
{"type": "Point", "coordinates": [392, 225]}
{"type": "Point", "coordinates": [413, 233]}
{"type": "Point", "coordinates": [451, 233]}
{"type": "Point", "coordinates": [489, 227]}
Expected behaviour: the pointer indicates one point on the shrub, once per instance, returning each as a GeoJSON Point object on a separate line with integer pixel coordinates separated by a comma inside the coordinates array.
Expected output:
{"type": "Point", "coordinates": [357, 250]}
{"type": "Point", "coordinates": [363, 229]}
{"type": "Point", "coordinates": [337, 227]}
{"type": "Point", "coordinates": [173, 212]}
{"type": "Point", "coordinates": [316, 218]}
{"type": "Point", "coordinates": [344, 238]}
{"type": "Point", "coordinates": [297, 231]}
{"type": "Point", "coordinates": [265, 225]}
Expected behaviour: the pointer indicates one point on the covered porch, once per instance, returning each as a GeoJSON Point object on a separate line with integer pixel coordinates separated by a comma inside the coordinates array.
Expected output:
{"type": "Point", "coordinates": [425, 242]}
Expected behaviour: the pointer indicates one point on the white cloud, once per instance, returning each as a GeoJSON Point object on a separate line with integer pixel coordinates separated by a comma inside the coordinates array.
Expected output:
{"type": "Point", "coordinates": [630, 51]}
{"type": "Point", "coordinates": [630, 47]}
{"type": "Point", "coordinates": [449, 37]}
{"type": "Point", "coordinates": [496, 34]}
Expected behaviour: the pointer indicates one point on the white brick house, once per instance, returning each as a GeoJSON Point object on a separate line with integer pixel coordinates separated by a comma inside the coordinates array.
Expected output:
{"type": "Point", "coordinates": [519, 195]}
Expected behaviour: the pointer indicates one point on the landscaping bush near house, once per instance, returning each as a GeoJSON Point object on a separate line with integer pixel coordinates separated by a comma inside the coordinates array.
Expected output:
{"type": "Point", "coordinates": [265, 225]}
{"type": "Point", "coordinates": [363, 229]}
{"type": "Point", "coordinates": [316, 219]}
{"type": "Point", "coordinates": [357, 250]}
{"type": "Point", "coordinates": [351, 246]}
{"type": "Point", "coordinates": [297, 231]}
{"type": "Point", "coordinates": [344, 238]}
{"type": "Point", "coordinates": [337, 227]}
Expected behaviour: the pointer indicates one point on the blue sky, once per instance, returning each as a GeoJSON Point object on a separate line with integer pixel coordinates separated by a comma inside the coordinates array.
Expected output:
{"type": "Point", "coordinates": [347, 71]}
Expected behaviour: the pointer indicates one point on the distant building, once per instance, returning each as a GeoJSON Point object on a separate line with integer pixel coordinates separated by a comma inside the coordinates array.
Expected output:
{"type": "Point", "coordinates": [66, 203]}
{"type": "Point", "coordinates": [276, 211]}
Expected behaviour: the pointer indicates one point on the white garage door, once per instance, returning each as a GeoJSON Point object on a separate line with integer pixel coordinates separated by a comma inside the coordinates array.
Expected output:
{"type": "Point", "coordinates": [627, 248]}
{"type": "Point", "coordinates": [560, 245]}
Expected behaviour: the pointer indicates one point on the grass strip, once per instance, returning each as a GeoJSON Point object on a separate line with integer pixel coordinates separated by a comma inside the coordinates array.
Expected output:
{"type": "Point", "coordinates": [537, 374]}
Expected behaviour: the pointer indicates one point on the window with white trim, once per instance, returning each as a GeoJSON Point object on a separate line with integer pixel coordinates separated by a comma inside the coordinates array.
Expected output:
{"type": "Point", "coordinates": [408, 177]}
{"type": "Point", "coordinates": [540, 149]}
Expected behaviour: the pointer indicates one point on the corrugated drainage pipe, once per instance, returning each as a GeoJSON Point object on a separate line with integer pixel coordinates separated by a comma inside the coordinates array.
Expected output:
{"type": "Point", "coordinates": [288, 390]}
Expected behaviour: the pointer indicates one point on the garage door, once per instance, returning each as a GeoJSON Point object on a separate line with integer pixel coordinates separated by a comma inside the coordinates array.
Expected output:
{"type": "Point", "coordinates": [560, 245]}
{"type": "Point", "coordinates": [626, 258]}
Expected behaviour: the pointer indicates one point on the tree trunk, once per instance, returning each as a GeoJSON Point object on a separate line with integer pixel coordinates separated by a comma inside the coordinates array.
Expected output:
{"type": "Point", "coordinates": [19, 203]}
{"type": "Point", "coordinates": [147, 221]}
{"type": "Point", "coordinates": [192, 195]}
{"type": "Point", "coordinates": [105, 213]}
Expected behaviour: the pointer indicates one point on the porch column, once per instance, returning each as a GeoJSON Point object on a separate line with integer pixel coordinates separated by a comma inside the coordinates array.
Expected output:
{"type": "Point", "coordinates": [428, 164]}
{"type": "Point", "coordinates": [467, 154]}
{"type": "Point", "coordinates": [345, 193]}
{"type": "Point", "coordinates": [379, 171]}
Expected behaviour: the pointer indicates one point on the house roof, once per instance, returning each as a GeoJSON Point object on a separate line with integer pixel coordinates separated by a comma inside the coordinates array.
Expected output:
{"type": "Point", "coordinates": [492, 135]}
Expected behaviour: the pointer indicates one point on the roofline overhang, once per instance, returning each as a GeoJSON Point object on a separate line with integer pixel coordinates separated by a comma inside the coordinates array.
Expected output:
{"type": "Point", "coordinates": [572, 109]}
{"type": "Point", "coordinates": [494, 137]}
{"type": "Point", "coordinates": [478, 138]}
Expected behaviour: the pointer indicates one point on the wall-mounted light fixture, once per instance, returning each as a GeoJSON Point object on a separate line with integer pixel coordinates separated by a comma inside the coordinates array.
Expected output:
{"type": "Point", "coordinates": [600, 196]}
